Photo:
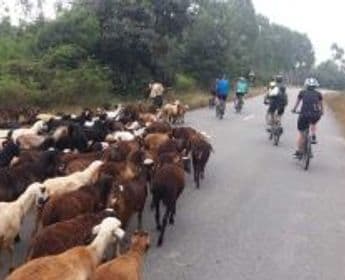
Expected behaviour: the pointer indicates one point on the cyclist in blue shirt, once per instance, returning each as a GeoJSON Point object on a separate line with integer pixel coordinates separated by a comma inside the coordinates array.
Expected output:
{"type": "Point", "coordinates": [223, 88]}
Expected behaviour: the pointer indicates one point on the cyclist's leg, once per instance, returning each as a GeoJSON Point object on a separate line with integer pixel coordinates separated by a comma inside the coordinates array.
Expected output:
{"type": "Point", "coordinates": [280, 113]}
{"type": "Point", "coordinates": [270, 113]}
{"type": "Point", "coordinates": [302, 125]}
{"type": "Point", "coordinates": [313, 127]}
{"type": "Point", "coordinates": [237, 99]}
{"type": "Point", "coordinates": [241, 97]}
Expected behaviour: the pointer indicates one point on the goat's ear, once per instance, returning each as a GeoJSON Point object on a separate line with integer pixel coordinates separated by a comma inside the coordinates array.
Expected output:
{"type": "Point", "coordinates": [119, 233]}
{"type": "Point", "coordinates": [134, 238]}
{"type": "Point", "coordinates": [177, 159]}
{"type": "Point", "coordinates": [96, 230]}
{"type": "Point", "coordinates": [113, 202]}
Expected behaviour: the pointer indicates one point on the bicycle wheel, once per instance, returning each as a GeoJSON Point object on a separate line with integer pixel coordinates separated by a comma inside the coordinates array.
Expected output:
{"type": "Point", "coordinates": [308, 153]}
{"type": "Point", "coordinates": [276, 137]}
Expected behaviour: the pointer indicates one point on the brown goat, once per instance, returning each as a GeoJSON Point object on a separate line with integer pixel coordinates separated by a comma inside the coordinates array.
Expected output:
{"type": "Point", "coordinates": [167, 185]}
{"type": "Point", "coordinates": [59, 237]}
{"type": "Point", "coordinates": [201, 150]}
{"type": "Point", "coordinates": [158, 127]}
{"type": "Point", "coordinates": [71, 163]}
{"type": "Point", "coordinates": [129, 265]}
{"type": "Point", "coordinates": [129, 199]}
{"type": "Point", "coordinates": [15, 180]}
{"type": "Point", "coordinates": [88, 199]}
{"type": "Point", "coordinates": [121, 172]}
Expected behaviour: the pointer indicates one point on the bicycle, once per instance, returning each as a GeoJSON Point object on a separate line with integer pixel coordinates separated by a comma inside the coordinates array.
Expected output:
{"type": "Point", "coordinates": [276, 131]}
{"type": "Point", "coordinates": [307, 153]}
{"type": "Point", "coordinates": [212, 102]}
{"type": "Point", "coordinates": [238, 103]}
{"type": "Point", "coordinates": [220, 108]}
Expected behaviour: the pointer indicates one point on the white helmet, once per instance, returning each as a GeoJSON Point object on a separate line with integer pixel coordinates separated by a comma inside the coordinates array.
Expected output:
{"type": "Point", "coordinates": [311, 82]}
{"type": "Point", "coordinates": [273, 84]}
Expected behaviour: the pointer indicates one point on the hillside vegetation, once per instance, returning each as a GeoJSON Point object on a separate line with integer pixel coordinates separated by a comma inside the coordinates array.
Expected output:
{"type": "Point", "coordinates": [102, 50]}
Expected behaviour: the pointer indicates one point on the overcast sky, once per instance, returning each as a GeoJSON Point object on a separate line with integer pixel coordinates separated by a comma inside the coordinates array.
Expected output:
{"type": "Point", "coordinates": [322, 20]}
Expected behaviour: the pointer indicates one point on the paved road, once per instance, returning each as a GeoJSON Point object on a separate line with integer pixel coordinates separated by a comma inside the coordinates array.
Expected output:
{"type": "Point", "coordinates": [258, 215]}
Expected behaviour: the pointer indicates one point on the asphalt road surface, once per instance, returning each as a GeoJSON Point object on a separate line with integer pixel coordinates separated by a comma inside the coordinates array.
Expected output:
{"type": "Point", "coordinates": [258, 214]}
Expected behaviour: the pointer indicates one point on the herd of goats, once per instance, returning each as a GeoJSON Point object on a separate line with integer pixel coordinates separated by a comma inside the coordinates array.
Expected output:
{"type": "Point", "coordinates": [83, 177]}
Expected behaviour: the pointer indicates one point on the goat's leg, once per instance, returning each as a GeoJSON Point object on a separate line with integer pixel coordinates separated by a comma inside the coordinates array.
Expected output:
{"type": "Point", "coordinates": [197, 176]}
{"type": "Point", "coordinates": [39, 211]}
{"type": "Point", "coordinates": [158, 218]}
{"type": "Point", "coordinates": [172, 214]}
{"type": "Point", "coordinates": [115, 251]}
{"type": "Point", "coordinates": [152, 206]}
{"type": "Point", "coordinates": [202, 172]}
{"type": "Point", "coordinates": [140, 220]}
{"type": "Point", "coordinates": [165, 221]}
{"type": "Point", "coordinates": [0, 257]}
{"type": "Point", "coordinates": [10, 250]}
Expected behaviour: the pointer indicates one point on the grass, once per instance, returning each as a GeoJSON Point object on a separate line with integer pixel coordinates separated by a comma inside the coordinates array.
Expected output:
{"type": "Point", "coordinates": [194, 98]}
{"type": "Point", "coordinates": [199, 98]}
{"type": "Point", "coordinates": [336, 102]}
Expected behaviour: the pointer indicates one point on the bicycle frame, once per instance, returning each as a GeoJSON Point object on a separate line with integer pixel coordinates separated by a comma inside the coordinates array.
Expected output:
{"type": "Point", "coordinates": [307, 148]}
{"type": "Point", "coordinates": [276, 129]}
{"type": "Point", "coordinates": [220, 108]}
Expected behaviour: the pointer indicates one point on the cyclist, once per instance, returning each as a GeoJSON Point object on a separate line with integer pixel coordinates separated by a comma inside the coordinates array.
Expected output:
{"type": "Point", "coordinates": [277, 100]}
{"type": "Point", "coordinates": [311, 112]}
{"type": "Point", "coordinates": [223, 88]}
{"type": "Point", "coordinates": [242, 88]}
{"type": "Point", "coordinates": [156, 94]}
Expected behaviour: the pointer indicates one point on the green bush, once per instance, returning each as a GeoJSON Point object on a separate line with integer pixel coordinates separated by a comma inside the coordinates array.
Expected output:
{"type": "Point", "coordinates": [184, 83]}
{"type": "Point", "coordinates": [33, 83]}
{"type": "Point", "coordinates": [13, 93]}
{"type": "Point", "coordinates": [65, 57]}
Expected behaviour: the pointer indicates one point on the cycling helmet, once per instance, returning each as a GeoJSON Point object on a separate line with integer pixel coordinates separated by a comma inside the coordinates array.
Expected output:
{"type": "Point", "coordinates": [311, 83]}
{"type": "Point", "coordinates": [279, 78]}
{"type": "Point", "coordinates": [273, 84]}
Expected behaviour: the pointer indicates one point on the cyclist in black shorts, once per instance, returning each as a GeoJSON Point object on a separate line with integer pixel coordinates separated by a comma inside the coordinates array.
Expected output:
{"type": "Point", "coordinates": [311, 111]}
{"type": "Point", "coordinates": [277, 101]}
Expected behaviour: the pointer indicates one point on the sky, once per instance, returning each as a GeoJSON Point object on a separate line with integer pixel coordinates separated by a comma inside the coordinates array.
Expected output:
{"type": "Point", "coordinates": [322, 20]}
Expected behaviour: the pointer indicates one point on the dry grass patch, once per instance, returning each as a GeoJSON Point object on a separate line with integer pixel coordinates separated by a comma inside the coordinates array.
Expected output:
{"type": "Point", "coordinates": [336, 102]}
{"type": "Point", "coordinates": [195, 99]}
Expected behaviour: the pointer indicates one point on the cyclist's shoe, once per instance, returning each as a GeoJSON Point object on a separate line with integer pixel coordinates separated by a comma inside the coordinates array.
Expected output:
{"type": "Point", "coordinates": [314, 140]}
{"type": "Point", "coordinates": [298, 155]}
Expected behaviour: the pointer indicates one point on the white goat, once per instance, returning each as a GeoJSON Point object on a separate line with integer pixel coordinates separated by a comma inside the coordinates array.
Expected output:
{"type": "Point", "coordinates": [120, 136]}
{"type": "Point", "coordinates": [35, 129]}
{"type": "Point", "coordinates": [30, 141]}
{"type": "Point", "coordinates": [78, 263]}
{"type": "Point", "coordinates": [133, 126]}
{"type": "Point", "coordinates": [114, 115]}
{"type": "Point", "coordinates": [47, 117]}
{"type": "Point", "coordinates": [61, 185]}
{"type": "Point", "coordinates": [12, 215]}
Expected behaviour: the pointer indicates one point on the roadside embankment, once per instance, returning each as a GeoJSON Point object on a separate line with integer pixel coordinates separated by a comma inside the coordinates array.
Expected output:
{"type": "Point", "coordinates": [336, 102]}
